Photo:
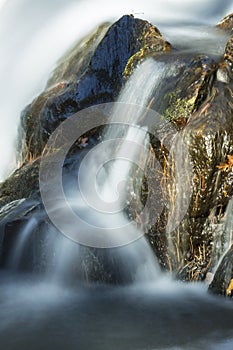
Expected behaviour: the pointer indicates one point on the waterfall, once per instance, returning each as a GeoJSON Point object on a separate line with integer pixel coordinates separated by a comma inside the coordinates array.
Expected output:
{"type": "Point", "coordinates": [105, 177]}
{"type": "Point", "coordinates": [109, 179]}
{"type": "Point", "coordinates": [20, 245]}
{"type": "Point", "coordinates": [223, 235]}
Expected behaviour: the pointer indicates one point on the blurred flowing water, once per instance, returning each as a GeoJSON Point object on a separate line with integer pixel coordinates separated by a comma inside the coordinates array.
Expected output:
{"type": "Point", "coordinates": [39, 314]}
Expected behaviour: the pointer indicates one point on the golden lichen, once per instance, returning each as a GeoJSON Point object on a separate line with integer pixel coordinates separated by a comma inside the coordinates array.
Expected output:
{"type": "Point", "coordinates": [229, 288]}
{"type": "Point", "coordinates": [227, 166]}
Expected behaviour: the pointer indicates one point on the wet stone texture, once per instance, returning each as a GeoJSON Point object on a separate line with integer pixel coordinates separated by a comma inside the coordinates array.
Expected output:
{"type": "Point", "coordinates": [199, 241]}
{"type": "Point", "coordinates": [226, 23]}
{"type": "Point", "coordinates": [92, 72]}
{"type": "Point", "coordinates": [196, 100]}
{"type": "Point", "coordinates": [222, 283]}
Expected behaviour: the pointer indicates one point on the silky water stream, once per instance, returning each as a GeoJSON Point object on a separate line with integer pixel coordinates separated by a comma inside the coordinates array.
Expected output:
{"type": "Point", "coordinates": [152, 311]}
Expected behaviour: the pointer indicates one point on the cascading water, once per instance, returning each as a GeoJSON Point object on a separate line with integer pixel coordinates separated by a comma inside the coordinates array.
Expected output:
{"type": "Point", "coordinates": [46, 311]}
{"type": "Point", "coordinates": [19, 246]}
{"type": "Point", "coordinates": [223, 234]}
{"type": "Point", "coordinates": [110, 165]}
{"type": "Point", "coordinates": [99, 199]}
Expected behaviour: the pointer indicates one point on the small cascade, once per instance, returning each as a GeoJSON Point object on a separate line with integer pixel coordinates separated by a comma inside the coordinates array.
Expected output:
{"type": "Point", "coordinates": [179, 191]}
{"type": "Point", "coordinates": [60, 267]}
{"type": "Point", "coordinates": [228, 224]}
{"type": "Point", "coordinates": [223, 235]}
{"type": "Point", "coordinates": [105, 177]}
{"type": "Point", "coordinates": [20, 245]}
{"type": "Point", "coordinates": [180, 176]}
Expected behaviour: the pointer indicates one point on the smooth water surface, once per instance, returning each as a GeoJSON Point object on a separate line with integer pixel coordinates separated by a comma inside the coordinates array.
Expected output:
{"type": "Point", "coordinates": [160, 315]}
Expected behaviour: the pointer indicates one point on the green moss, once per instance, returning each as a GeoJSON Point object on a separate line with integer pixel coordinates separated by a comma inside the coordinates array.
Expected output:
{"type": "Point", "coordinates": [178, 109]}
{"type": "Point", "coordinates": [151, 42]}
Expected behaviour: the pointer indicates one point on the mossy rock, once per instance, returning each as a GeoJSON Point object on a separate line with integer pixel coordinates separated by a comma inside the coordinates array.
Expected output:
{"type": "Point", "coordinates": [23, 183]}
{"type": "Point", "coordinates": [90, 74]}
{"type": "Point", "coordinates": [152, 42]}
{"type": "Point", "coordinates": [205, 105]}
{"type": "Point", "coordinates": [191, 89]}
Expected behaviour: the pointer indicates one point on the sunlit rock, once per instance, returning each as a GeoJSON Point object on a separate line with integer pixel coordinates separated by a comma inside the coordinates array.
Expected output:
{"type": "Point", "coordinates": [226, 22]}
{"type": "Point", "coordinates": [223, 279]}
{"type": "Point", "coordinates": [200, 239]}
{"type": "Point", "coordinates": [91, 73]}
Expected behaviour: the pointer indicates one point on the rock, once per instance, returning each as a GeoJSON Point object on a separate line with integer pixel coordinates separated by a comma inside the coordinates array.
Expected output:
{"type": "Point", "coordinates": [226, 23]}
{"type": "Point", "coordinates": [23, 183]}
{"type": "Point", "coordinates": [222, 283]}
{"type": "Point", "coordinates": [228, 55]}
{"type": "Point", "coordinates": [198, 242]}
{"type": "Point", "coordinates": [181, 97]}
{"type": "Point", "coordinates": [90, 74]}
{"type": "Point", "coordinates": [150, 45]}
{"type": "Point", "coordinates": [197, 99]}
{"type": "Point", "coordinates": [192, 87]}
{"type": "Point", "coordinates": [43, 247]}
{"type": "Point", "coordinates": [13, 218]}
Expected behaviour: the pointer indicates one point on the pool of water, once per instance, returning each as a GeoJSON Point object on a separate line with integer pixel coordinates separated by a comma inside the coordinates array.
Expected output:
{"type": "Point", "coordinates": [163, 315]}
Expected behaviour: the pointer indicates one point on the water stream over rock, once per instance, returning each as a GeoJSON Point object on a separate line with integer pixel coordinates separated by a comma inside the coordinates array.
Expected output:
{"type": "Point", "coordinates": [123, 191]}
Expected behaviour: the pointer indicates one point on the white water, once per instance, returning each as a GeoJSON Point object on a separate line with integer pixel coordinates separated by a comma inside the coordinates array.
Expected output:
{"type": "Point", "coordinates": [20, 243]}
{"type": "Point", "coordinates": [104, 182]}
{"type": "Point", "coordinates": [138, 91]}
{"type": "Point", "coordinates": [33, 35]}
{"type": "Point", "coordinates": [105, 175]}
{"type": "Point", "coordinates": [223, 234]}
{"type": "Point", "coordinates": [40, 315]}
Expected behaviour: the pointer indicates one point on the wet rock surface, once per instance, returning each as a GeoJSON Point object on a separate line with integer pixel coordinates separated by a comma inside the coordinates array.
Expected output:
{"type": "Point", "coordinates": [90, 74]}
{"type": "Point", "coordinates": [201, 108]}
{"type": "Point", "coordinates": [222, 283]}
{"type": "Point", "coordinates": [226, 23]}
{"type": "Point", "coordinates": [197, 99]}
